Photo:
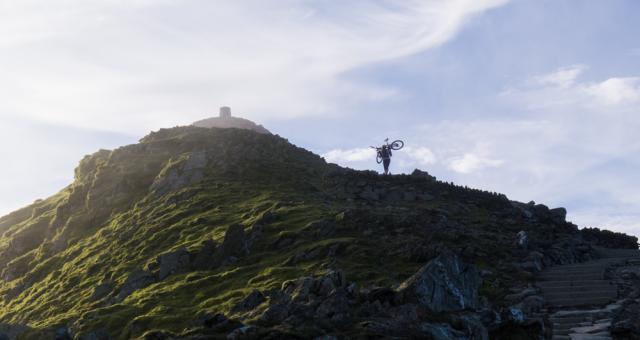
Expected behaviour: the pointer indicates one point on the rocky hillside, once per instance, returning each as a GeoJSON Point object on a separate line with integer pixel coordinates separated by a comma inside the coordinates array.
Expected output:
{"type": "Point", "coordinates": [226, 233]}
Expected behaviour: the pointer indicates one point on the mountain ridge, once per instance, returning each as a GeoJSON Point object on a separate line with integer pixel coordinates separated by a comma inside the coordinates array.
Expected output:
{"type": "Point", "coordinates": [161, 236]}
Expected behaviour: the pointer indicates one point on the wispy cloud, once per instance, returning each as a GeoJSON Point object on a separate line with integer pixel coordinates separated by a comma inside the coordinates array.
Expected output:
{"type": "Point", "coordinates": [136, 65]}
{"type": "Point", "coordinates": [472, 162]}
{"type": "Point", "coordinates": [349, 155]}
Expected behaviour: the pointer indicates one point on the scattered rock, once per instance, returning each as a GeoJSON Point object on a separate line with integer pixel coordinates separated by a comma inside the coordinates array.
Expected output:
{"type": "Point", "coordinates": [204, 259]}
{"type": "Point", "coordinates": [558, 215]}
{"type": "Point", "coordinates": [252, 301]}
{"type": "Point", "coordinates": [101, 291]}
{"type": "Point", "coordinates": [444, 284]}
{"type": "Point", "coordinates": [137, 279]}
{"type": "Point", "coordinates": [522, 239]}
{"type": "Point", "coordinates": [244, 332]}
{"type": "Point", "coordinates": [441, 332]}
{"type": "Point", "coordinates": [172, 263]}
{"type": "Point", "coordinates": [235, 243]}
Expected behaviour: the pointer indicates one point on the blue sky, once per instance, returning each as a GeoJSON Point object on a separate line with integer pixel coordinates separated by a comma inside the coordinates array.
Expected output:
{"type": "Point", "coordinates": [537, 99]}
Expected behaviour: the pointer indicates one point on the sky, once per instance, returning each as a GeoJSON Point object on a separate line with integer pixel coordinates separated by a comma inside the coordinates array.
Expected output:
{"type": "Point", "coordinates": [537, 99]}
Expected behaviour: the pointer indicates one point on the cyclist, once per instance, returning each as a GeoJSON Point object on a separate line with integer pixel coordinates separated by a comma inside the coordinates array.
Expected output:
{"type": "Point", "coordinates": [385, 154]}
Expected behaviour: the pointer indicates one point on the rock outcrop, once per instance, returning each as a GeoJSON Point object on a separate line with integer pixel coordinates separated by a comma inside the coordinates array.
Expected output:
{"type": "Point", "coordinates": [445, 284]}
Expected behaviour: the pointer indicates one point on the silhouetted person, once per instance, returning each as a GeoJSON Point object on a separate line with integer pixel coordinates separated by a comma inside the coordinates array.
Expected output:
{"type": "Point", "coordinates": [385, 154]}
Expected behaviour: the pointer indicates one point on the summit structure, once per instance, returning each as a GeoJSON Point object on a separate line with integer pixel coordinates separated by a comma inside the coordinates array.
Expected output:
{"type": "Point", "coordinates": [226, 120]}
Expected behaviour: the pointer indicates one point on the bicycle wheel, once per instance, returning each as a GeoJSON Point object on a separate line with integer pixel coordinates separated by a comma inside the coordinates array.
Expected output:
{"type": "Point", "coordinates": [397, 145]}
{"type": "Point", "coordinates": [379, 159]}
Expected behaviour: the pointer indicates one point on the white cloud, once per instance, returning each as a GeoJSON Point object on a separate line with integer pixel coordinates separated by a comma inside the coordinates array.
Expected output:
{"type": "Point", "coordinates": [136, 65]}
{"type": "Point", "coordinates": [615, 91]}
{"type": "Point", "coordinates": [350, 155]}
{"type": "Point", "coordinates": [561, 90]}
{"type": "Point", "coordinates": [562, 77]}
{"type": "Point", "coordinates": [420, 155]}
{"type": "Point", "coordinates": [471, 162]}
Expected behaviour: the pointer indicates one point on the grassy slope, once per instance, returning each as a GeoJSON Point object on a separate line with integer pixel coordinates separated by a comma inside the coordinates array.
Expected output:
{"type": "Point", "coordinates": [108, 223]}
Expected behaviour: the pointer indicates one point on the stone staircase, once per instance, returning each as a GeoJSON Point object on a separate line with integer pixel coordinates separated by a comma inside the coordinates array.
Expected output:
{"type": "Point", "coordinates": [583, 300]}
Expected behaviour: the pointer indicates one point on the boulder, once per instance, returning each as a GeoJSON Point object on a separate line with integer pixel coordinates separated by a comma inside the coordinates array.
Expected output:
{"type": "Point", "coordinates": [441, 332]}
{"type": "Point", "coordinates": [244, 332]}
{"type": "Point", "coordinates": [137, 279]}
{"type": "Point", "coordinates": [234, 244]}
{"type": "Point", "coordinates": [252, 301]}
{"type": "Point", "coordinates": [522, 240]}
{"type": "Point", "coordinates": [445, 284]}
{"type": "Point", "coordinates": [558, 215]}
{"type": "Point", "coordinates": [422, 175]}
{"type": "Point", "coordinates": [204, 258]}
{"type": "Point", "coordinates": [172, 263]}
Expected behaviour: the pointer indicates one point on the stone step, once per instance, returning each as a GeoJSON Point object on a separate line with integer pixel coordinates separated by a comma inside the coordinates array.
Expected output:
{"type": "Point", "coordinates": [570, 283]}
{"type": "Point", "coordinates": [580, 289]}
{"type": "Point", "coordinates": [571, 276]}
{"type": "Point", "coordinates": [587, 314]}
{"type": "Point", "coordinates": [577, 302]}
{"type": "Point", "coordinates": [580, 294]}
{"type": "Point", "coordinates": [570, 320]}
{"type": "Point", "coordinates": [590, 267]}
{"type": "Point", "coordinates": [589, 337]}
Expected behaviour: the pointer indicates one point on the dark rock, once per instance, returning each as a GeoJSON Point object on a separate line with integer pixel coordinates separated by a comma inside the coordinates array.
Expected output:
{"type": "Point", "coordinates": [422, 175]}
{"type": "Point", "coordinates": [299, 289]}
{"type": "Point", "coordinates": [62, 334]}
{"type": "Point", "coordinates": [213, 320]}
{"type": "Point", "coordinates": [558, 215]}
{"type": "Point", "coordinates": [384, 295]}
{"type": "Point", "coordinates": [531, 305]}
{"type": "Point", "coordinates": [100, 334]}
{"type": "Point", "coordinates": [541, 211]}
{"type": "Point", "coordinates": [409, 196]}
{"type": "Point", "coordinates": [441, 332]}
{"type": "Point", "coordinates": [472, 326]}
{"type": "Point", "coordinates": [244, 332]}
{"type": "Point", "coordinates": [520, 295]}
{"type": "Point", "coordinates": [158, 335]}
{"type": "Point", "coordinates": [235, 243]}
{"type": "Point", "coordinates": [444, 284]}
{"type": "Point", "coordinates": [137, 279]}
{"type": "Point", "coordinates": [101, 291]}
{"type": "Point", "coordinates": [275, 314]}
{"type": "Point", "coordinates": [173, 263]}
{"type": "Point", "coordinates": [204, 259]}
{"type": "Point", "coordinates": [522, 239]}
{"type": "Point", "coordinates": [252, 301]}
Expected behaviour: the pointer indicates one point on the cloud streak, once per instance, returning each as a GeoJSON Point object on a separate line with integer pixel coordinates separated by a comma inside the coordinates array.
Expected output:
{"type": "Point", "coordinates": [157, 63]}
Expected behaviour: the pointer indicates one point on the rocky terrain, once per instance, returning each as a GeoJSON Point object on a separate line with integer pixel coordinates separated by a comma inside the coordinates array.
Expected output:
{"type": "Point", "coordinates": [209, 233]}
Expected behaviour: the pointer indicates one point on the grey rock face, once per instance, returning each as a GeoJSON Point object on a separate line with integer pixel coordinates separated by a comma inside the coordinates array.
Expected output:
{"type": "Point", "coordinates": [444, 284]}
{"type": "Point", "coordinates": [180, 174]}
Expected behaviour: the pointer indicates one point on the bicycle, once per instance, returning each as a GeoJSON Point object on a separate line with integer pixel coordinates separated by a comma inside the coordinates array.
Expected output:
{"type": "Point", "coordinates": [395, 145]}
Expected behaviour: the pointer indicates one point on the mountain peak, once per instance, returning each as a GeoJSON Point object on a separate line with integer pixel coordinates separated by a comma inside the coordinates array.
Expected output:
{"type": "Point", "coordinates": [225, 120]}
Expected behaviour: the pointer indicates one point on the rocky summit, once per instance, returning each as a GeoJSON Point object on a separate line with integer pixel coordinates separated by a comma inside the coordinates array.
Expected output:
{"type": "Point", "coordinates": [225, 120]}
{"type": "Point", "coordinates": [228, 233]}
